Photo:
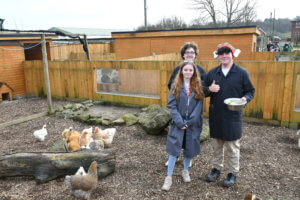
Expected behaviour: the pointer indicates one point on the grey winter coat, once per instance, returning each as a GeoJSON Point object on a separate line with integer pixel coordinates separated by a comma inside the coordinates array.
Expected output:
{"type": "Point", "coordinates": [223, 123]}
{"type": "Point", "coordinates": [182, 114]}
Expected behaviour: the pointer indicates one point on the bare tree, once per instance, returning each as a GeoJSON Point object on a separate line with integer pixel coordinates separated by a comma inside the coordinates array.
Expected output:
{"type": "Point", "coordinates": [206, 10]}
{"type": "Point", "coordinates": [249, 12]}
{"type": "Point", "coordinates": [231, 11]}
{"type": "Point", "coordinates": [174, 22]}
{"type": "Point", "coordinates": [167, 23]}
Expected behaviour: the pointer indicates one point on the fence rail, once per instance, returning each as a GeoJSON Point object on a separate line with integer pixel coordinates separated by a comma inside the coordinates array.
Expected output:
{"type": "Point", "coordinates": [276, 98]}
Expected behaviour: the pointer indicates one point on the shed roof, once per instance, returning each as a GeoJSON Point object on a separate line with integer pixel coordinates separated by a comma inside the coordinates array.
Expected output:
{"type": "Point", "coordinates": [189, 32]}
{"type": "Point", "coordinates": [19, 35]}
{"type": "Point", "coordinates": [3, 83]}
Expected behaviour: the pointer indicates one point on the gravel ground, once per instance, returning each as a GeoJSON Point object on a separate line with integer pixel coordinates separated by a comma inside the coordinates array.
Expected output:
{"type": "Point", "coordinates": [270, 161]}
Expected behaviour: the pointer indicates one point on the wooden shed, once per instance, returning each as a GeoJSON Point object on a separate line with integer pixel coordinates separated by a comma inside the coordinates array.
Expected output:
{"type": "Point", "coordinates": [5, 92]}
{"type": "Point", "coordinates": [145, 43]}
{"type": "Point", "coordinates": [14, 49]}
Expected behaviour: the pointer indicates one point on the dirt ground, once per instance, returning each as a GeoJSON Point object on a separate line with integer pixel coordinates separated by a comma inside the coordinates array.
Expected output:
{"type": "Point", "coordinates": [270, 161]}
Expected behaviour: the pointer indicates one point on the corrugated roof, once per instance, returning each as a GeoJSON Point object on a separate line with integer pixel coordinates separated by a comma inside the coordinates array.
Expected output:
{"type": "Point", "coordinates": [92, 32]}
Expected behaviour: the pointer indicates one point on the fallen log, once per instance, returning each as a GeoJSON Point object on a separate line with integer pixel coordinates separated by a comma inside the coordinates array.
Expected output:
{"type": "Point", "coordinates": [46, 166]}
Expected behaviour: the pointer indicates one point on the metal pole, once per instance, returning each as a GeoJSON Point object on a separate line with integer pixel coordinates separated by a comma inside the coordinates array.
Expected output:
{"type": "Point", "coordinates": [46, 74]}
{"type": "Point", "coordinates": [87, 48]}
{"type": "Point", "coordinates": [273, 28]}
{"type": "Point", "coordinates": [145, 14]}
{"type": "Point", "coordinates": [1, 24]}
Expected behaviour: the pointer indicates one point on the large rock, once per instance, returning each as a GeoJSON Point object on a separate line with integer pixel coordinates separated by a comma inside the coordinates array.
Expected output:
{"type": "Point", "coordinates": [58, 146]}
{"type": "Point", "coordinates": [205, 135]}
{"type": "Point", "coordinates": [83, 117]}
{"type": "Point", "coordinates": [119, 121]}
{"type": "Point", "coordinates": [154, 119]}
{"type": "Point", "coordinates": [130, 119]}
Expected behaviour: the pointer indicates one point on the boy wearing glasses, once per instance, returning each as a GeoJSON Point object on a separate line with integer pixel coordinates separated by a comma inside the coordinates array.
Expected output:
{"type": "Point", "coordinates": [189, 52]}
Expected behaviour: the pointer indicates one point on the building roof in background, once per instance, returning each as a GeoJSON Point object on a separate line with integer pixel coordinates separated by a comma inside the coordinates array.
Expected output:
{"type": "Point", "coordinates": [90, 32]}
{"type": "Point", "coordinates": [24, 35]}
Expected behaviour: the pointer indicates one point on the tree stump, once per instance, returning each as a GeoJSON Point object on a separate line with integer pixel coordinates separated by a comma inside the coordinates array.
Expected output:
{"type": "Point", "coordinates": [46, 166]}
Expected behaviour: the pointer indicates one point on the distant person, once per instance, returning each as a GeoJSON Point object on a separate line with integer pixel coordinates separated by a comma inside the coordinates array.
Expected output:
{"type": "Point", "coordinates": [188, 52]}
{"type": "Point", "coordinates": [270, 46]}
{"type": "Point", "coordinates": [286, 47]}
{"type": "Point", "coordinates": [186, 106]}
{"type": "Point", "coordinates": [227, 80]}
{"type": "Point", "coordinates": [276, 47]}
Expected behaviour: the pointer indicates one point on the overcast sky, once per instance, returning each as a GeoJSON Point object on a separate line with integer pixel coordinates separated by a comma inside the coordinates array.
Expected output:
{"type": "Point", "coordinates": [114, 14]}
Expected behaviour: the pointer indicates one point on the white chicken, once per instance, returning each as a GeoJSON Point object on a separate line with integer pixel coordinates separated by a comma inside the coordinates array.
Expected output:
{"type": "Point", "coordinates": [81, 171]}
{"type": "Point", "coordinates": [298, 133]}
{"type": "Point", "coordinates": [89, 130]}
{"type": "Point", "coordinates": [110, 132]}
{"type": "Point", "coordinates": [41, 133]}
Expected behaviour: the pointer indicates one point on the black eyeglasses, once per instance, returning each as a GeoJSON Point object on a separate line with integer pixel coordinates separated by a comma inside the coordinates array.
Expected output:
{"type": "Point", "coordinates": [189, 52]}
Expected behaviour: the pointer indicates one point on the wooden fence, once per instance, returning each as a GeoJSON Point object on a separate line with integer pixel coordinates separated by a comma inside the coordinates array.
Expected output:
{"type": "Point", "coordinates": [161, 57]}
{"type": "Point", "coordinates": [253, 56]}
{"type": "Point", "coordinates": [276, 96]}
{"type": "Point", "coordinates": [76, 52]}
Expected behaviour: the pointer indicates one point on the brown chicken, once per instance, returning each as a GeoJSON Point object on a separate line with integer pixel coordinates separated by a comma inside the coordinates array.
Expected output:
{"type": "Point", "coordinates": [85, 139]}
{"type": "Point", "coordinates": [71, 137]}
{"type": "Point", "coordinates": [250, 196]}
{"type": "Point", "coordinates": [81, 186]}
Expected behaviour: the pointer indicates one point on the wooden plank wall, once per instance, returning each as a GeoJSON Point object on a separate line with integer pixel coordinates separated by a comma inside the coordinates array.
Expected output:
{"type": "Point", "coordinates": [127, 48]}
{"type": "Point", "coordinates": [161, 57]}
{"type": "Point", "coordinates": [295, 90]}
{"type": "Point", "coordinates": [11, 68]}
{"type": "Point", "coordinates": [297, 101]}
{"type": "Point", "coordinates": [275, 84]}
{"type": "Point", "coordinates": [94, 56]}
{"type": "Point", "coordinates": [75, 51]}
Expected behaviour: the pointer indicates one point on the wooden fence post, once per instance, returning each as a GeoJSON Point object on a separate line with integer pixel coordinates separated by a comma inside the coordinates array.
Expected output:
{"type": "Point", "coordinates": [163, 85]}
{"type": "Point", "coordinates": [87, 48]}
{"type": "Point", "coordinates": [46, 74]}
{"type": "Point", "coordinates": [287, 96]}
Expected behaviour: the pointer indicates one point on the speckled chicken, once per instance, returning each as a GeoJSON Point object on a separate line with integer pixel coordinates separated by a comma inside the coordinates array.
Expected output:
{"type": "Point", "coordinates": [105, 135]}
{"type": "Point", "coordinates": [82, 185]}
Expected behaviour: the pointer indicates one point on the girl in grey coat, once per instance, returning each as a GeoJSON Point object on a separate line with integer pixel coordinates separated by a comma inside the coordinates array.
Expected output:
{"type": "Point", "coordinates": [185, 103]}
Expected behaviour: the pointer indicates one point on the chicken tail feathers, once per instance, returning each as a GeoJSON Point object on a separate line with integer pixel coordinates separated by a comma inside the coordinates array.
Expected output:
{"type": "Point", "coordinates": [81, 194]}
{"type": "Point", "coordinates": [68, 182]}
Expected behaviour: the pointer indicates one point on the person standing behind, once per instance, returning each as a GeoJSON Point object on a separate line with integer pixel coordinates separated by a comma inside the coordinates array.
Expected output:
{"type": "Point", "coordinates": [188, 52]}
{"type": "Point", "coordinates": [186, 106]}
{"type": "Point", "coordinates": [226, 81]}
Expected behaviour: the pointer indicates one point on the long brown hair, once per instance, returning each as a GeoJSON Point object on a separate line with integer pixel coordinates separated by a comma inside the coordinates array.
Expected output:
{"type": "Point", "coordinates": [195, 84]}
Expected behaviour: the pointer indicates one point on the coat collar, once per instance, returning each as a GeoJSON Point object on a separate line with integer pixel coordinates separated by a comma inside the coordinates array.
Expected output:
{"type": "Point", "coordinates": [232, 69]}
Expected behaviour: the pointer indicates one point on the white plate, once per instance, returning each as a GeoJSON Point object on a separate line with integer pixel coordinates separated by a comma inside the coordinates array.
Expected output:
{"type": "Point", "coordinates": [235, 101]}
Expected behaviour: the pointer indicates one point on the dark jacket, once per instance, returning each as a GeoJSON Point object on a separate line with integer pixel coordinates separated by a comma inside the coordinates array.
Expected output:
{"type": "Point", "coordinates": [223, 123]}
{"type": "Point", "coordinates": [175, 72]}
{"type": "Point", "coordinates": [182, 114]}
